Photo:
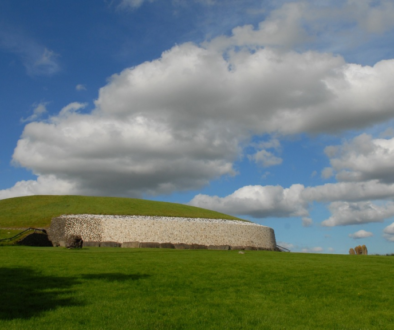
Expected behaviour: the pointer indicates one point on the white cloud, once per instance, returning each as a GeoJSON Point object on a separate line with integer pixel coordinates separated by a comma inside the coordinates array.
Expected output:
{"type": "Point", "coordinates": [373, 16]}
{"type": "Point", "coordinates": [348, 191]}
{"type": "Point", "coordinates": [38, 111]}
{"type": "Point", "coordinates": [257, 201]}
{"type": "Point", "coordinates": [389, 232]}
{"type": "Point", "coordinates": [327, 172]}
{"type": "Point", "coordinates": [132, 3]}
{"type": "Point", "coordinates": [80, 87]}
{"type": "Point", "coordinates": [307, 222]}
{"type": "Point", "coordinates": [37, 59]}
{"type": "Point", "coordinates": [282, 28]}
{"type": "Point", "coordinates": [344, 213]}
{"type": "Point", "coordinates": [304, 22]}
{"type": "Point", "coordinates": [265, 158]}
{"type": "Point", "coordinates": [67, 111]}
{"type": "Point", "coordinates": [363, 158]}
{"type": "Point", "coordinates": [316, 249]}
{"type": "Point", "coordinates": [361, 234]}
{"type": "Point", "coordinates": [350, 202]}
{"type": "Point", "coordinates": [177, 122]}
{"type": "Point", "coordinates": [44, 185]}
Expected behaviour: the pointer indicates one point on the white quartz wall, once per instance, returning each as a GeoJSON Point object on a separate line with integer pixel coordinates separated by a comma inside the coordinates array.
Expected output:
{"type": "Point", "coordinates": [174, 230]}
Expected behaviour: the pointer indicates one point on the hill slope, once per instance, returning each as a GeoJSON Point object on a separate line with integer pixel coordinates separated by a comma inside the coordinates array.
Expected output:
{"type": "Point", "coordinates": [37, 211]}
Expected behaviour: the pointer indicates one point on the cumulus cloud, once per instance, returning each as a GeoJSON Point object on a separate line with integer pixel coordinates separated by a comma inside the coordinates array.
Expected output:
{"type": "Point", "coordinates": [179, 121]}
{"type": "Point", "coordinates": [38, 111]}
{"type": "Point", "coordinates": [361, 234]}
{"type": "Point", "coordinates": [344, 213]}
{"type": "Point", "coordinates": [348, 191]}
{"type": "Point", "coordinates": [389, 232]}
{"type": "Point", "coordinates": [327, 172]}
{"type": "Point", "coordinates": [44, 185]}
{"type": "Point", "coordinates": [375, 18]}
{"type": "Point", "coordinates": [300, 23]}
{"type": "Point", "coordinates": [257, 201]}
{"type": "Point", "coordinates": [363, 158]}
{"type": "Point", "coordinates": [282, 28]}
{"type": "Point", "coordinates": [265, 158]}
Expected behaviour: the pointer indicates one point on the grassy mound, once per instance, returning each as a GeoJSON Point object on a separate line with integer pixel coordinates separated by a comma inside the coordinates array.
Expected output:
{"type": "Point", "coordinates": [37, 211]}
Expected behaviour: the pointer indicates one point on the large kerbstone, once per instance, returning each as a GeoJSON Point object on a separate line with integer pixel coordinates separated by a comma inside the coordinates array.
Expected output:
{"type": "Point", "coordinates": [110, 244]}
{"type": "Point", "coordinates": [167, 246]}
{"type": "Point", "coordinates": [218, 247]}
{"type": "Point", "coordinates": [132, 245]}
{"type": "Point", "coordinates": [150, 245]}
{"type": "Point", "coordinates": [91, 244]}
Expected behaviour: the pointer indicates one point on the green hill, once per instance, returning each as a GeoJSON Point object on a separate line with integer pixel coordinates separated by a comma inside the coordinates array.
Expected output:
{"type": "Point", "coordinates": [37, 211]}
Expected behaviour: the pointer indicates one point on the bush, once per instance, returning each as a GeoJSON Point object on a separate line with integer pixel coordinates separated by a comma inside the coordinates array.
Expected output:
{"type": "Point", "coordinates": [359, 250]}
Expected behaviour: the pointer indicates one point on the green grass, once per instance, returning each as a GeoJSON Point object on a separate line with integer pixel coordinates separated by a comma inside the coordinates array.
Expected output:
{"type": "Point", "coordinates": [6, 233]}
{"type": "Point", "coordinates": [37, 211]}
{"type": "Point", "coordinates": [98, 288]}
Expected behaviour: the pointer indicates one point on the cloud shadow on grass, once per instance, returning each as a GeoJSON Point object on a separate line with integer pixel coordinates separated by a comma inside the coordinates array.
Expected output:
{"type": "Point", "coordinates": [26, 293]}
{"type": "Point", "coordinates": [112, 277]}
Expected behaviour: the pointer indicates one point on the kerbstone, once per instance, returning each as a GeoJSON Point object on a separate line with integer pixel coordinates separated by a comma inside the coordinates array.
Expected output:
{"type": "Point", "coordinates": [133, 245]}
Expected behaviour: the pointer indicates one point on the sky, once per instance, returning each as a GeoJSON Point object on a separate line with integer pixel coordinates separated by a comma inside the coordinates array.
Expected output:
{"type": "Point", "coordinates": [279, 112]}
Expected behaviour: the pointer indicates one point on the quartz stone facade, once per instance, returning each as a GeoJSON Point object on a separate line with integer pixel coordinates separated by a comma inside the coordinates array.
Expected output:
{"type": "Point", "coordinates": [130, 230]}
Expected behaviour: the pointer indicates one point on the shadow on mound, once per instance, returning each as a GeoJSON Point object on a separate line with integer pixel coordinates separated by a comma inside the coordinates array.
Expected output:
{"type": "Point", "coordinates": [113, 277]}
{"type": "Point", "coordinates": [26, 293]}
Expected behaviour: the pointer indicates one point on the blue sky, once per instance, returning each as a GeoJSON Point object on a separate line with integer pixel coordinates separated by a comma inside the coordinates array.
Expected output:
{"type": "Point", "coordinates": [280, 112]}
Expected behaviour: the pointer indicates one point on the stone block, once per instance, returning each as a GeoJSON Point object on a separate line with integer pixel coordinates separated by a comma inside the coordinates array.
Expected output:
{"type": "Point", "coordinates": [198, 247]}
{"type": "Point", "coordinates": [237, 248]}
{"type": "Point", "coordinates": [110, 244]}
{"type": "Point", "coordinates": [182, 246]}
{"type": "Point", "coordinates": [251, 248]}
{"type": "Point", "coordinates": [218, 247]}
{"type": "Point", "coordinates": [167, 246]}
{"type": "Point", "coordinates": [91, 244]}
{"type": "Point", "coordinates": [150, 245]}
{"type": "Point", "coordinates": [133, 245]}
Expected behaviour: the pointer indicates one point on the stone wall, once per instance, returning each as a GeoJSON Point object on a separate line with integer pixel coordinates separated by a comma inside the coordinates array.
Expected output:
{"type": "Point", "coordinates": [123, 229]}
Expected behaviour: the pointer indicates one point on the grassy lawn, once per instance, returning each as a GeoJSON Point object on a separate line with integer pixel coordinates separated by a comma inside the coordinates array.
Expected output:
{"type": "Point", "coordinates": [98, 288]}
{"type": "Point", "coordinates": [6, 233]}
{"type": "Point", "coordinates": [37, 211]}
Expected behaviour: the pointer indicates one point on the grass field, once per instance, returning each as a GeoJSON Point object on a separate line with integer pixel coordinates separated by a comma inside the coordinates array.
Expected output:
{"type": "Point", "coordinates": [37, 211]}
{"type": "Point", "coordinates": [98, 288]}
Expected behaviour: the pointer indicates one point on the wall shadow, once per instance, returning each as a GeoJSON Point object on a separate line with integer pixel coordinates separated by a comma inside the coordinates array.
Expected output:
{"type": "Point", "coordinates": [26, 293]}
{"type": "Point", "coordinates": [112, 277]}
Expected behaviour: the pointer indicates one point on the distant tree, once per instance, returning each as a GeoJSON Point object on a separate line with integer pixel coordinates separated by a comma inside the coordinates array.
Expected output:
{"type": "Point", "coordinates": [358, 250]}
{"type": "Point", "coordinates": [365, 250]}
{"type": "Point", "coordinates": [351, 251]}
